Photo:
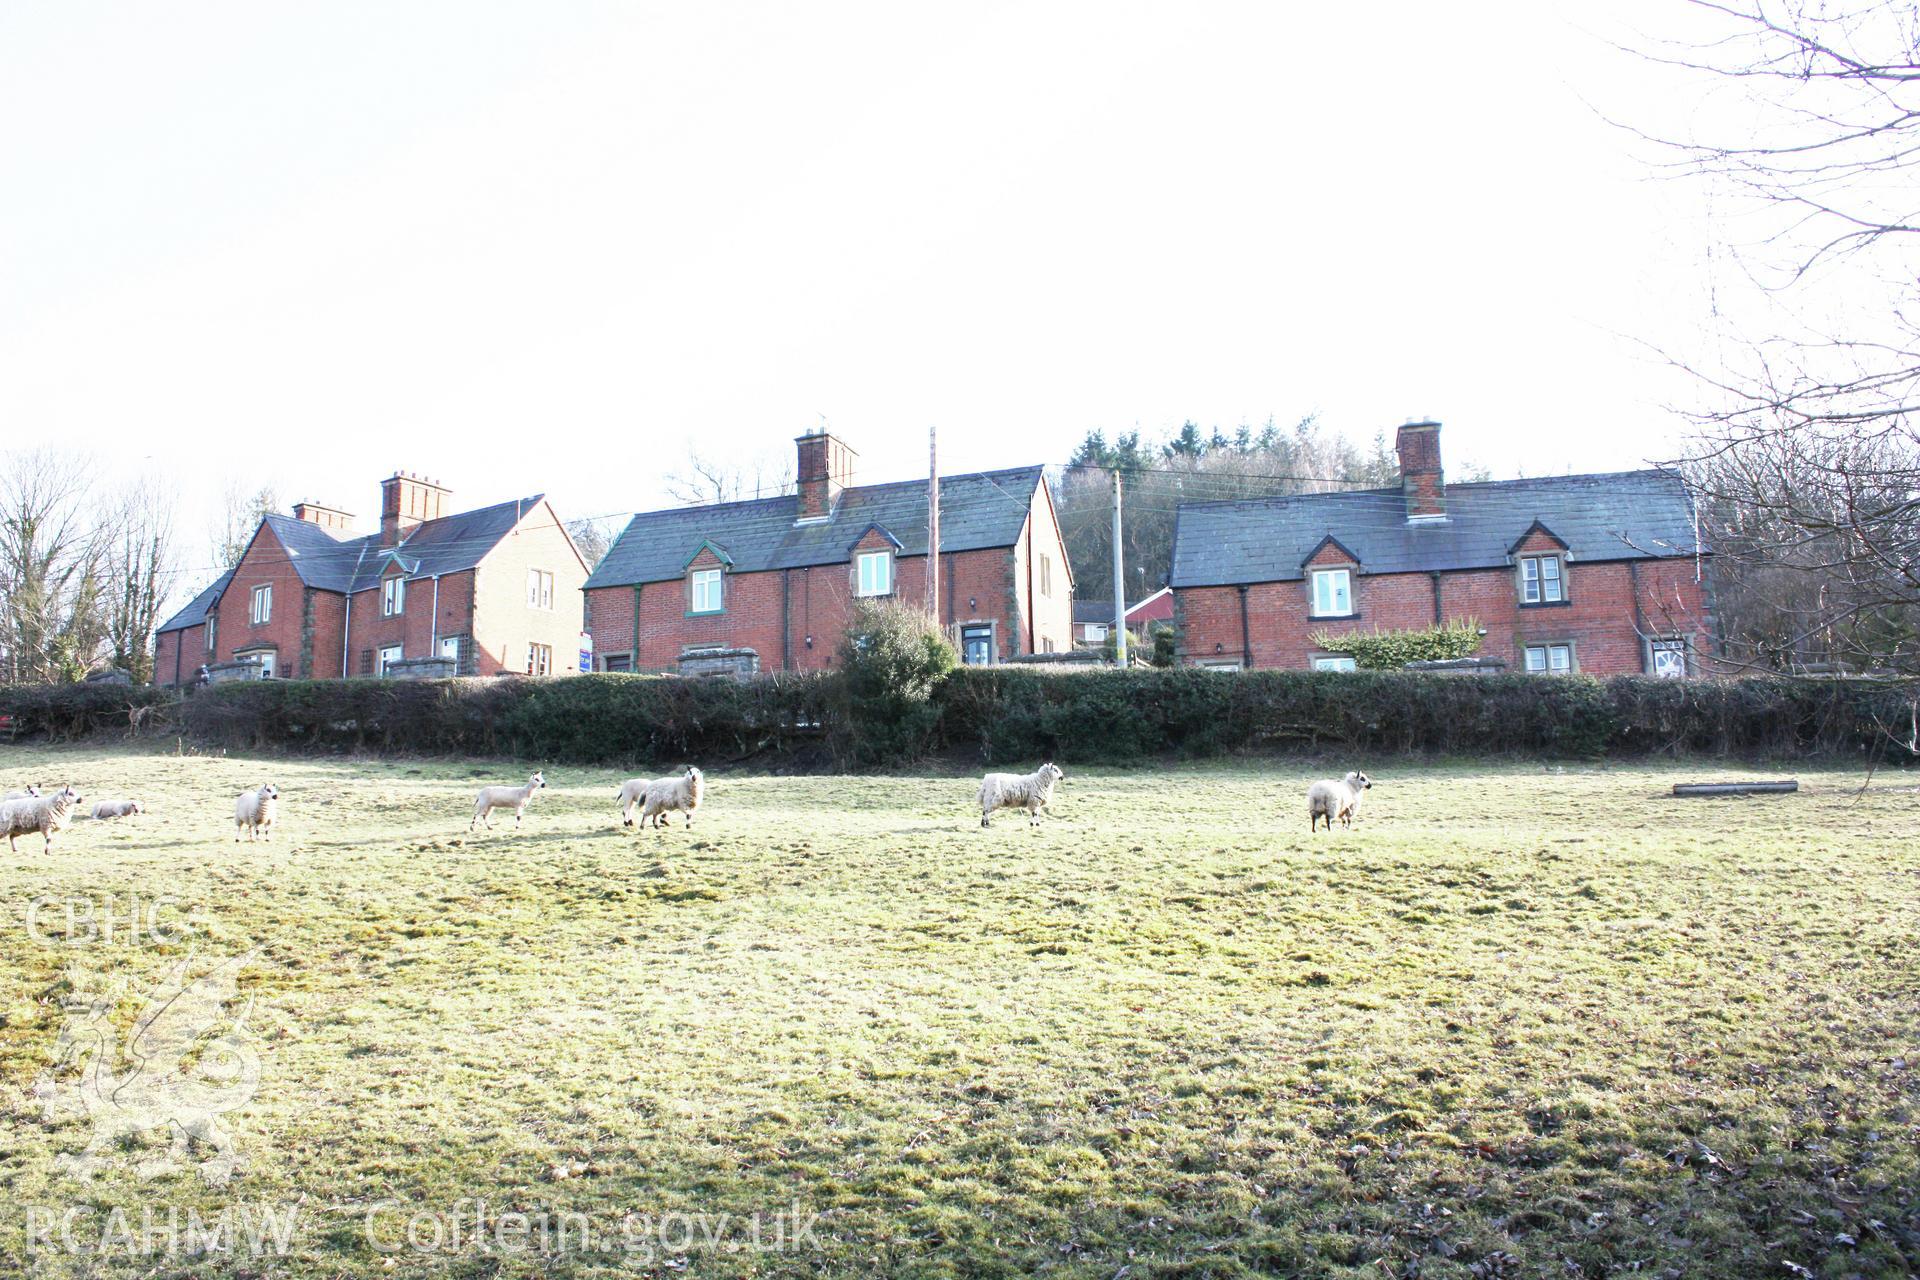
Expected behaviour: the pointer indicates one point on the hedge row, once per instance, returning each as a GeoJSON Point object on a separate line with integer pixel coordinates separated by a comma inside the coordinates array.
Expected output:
{"type": "Point", "coordinates": [66, 712]}
{"type": "Point", "coordinates": [587, 719]}
{"type": "Point", "coordinates": [1005, 714]}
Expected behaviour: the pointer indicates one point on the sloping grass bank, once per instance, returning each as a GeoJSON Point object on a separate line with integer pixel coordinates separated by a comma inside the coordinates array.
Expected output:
{"type": "Point", "coordinates": [1520, 1021]}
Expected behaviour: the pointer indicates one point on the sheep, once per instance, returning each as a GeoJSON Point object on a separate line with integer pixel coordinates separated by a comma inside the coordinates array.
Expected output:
{"type": "Point", "coordinates": [1336, 798]}
{"type": "Point", "coordinates": [1032, 792]}
{"type": "Point", "coordinates": [683, 792]}
{"type": "Point", "coordinates": [31, 793]}
{"type": "Point", "coordinates": [514, 798]}
{"type": "Point", "coordinates": [117, 808]}
{"type": "Point", "coordinates": [254, 812]}
{"type": "Point", "coordinates": [48, 815]}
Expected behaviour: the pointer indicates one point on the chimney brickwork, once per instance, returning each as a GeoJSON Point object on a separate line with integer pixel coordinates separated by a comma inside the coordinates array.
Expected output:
{"type": "Point", "coordinates": [1422, 480]}
{"type": "Point", "coordinates": [825, 468]}
{"type": "Point", "coordinates": [332, 519]}
{"type": "Point", "coordinates": [407, 500]}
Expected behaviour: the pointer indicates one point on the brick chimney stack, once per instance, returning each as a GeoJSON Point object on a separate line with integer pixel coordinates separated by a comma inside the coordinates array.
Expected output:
{"type": "Point", "coordinates": [407, 500]}
{"type": "Point", "coordinates": [332, 519]}
{"type": "Point", "coordinates": [1422, 481]}
{"type": "Point", "coordinates": [825, 468]}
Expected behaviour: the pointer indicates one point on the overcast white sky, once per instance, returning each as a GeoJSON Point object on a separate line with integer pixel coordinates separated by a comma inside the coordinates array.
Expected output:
{"type": "Point", "coordinates": [555, 246]}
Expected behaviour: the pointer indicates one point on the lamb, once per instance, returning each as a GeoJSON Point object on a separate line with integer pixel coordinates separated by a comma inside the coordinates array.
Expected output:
{"type": "Point", "coordinates": [514, 798]}
{"type": "Point", "coordinates": [1336, 798]}
{"type": "Point", "coordinates": [254, 812]}
{"type": "Point", "coordinates": [683, 792]}
{"type": "Point", "coordinates": [1031, 791]}
{"type": "Point", "coordinates": [31, 793]}
{"type": "Point", "coordinates": [116, 808]}
{"type": "Point", "coordinates": [48, 815]}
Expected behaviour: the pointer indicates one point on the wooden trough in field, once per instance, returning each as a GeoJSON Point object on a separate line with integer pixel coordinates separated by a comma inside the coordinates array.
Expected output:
{"type": "Point", "coordinates": [1735, 788]}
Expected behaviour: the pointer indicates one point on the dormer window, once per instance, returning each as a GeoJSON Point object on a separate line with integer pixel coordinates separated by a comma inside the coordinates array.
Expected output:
{"type": "Point", "coordinates": [705, 591]}
{"type": "Point", "coordinates": [1542, 580]}
{"type": "Point", "coordinates": [873, 573]}
{"type": "Point", "coordinates": [393, 596]}
{"type": "Point", "coordinates": [1332, 593]}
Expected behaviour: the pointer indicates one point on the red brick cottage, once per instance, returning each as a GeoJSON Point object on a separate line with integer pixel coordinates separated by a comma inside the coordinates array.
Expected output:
{"type": "Point", "coordinates": [485, 591]}
{"type": "Point", "coordinates": [769, 584]}
{"type": "Point", "coordinates": [1602, 574]}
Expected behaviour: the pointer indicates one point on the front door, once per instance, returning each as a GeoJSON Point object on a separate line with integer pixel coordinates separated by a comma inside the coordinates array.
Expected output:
{"type": "Point", "coordinates": [976, 646]}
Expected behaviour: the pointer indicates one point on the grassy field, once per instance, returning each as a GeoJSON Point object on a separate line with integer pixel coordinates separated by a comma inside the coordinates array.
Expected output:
{"type": "Point", "coordinates": [1521, 1021]}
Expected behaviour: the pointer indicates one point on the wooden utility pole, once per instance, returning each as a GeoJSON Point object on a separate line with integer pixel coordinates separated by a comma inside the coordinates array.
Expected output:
{"type": "Point", "coordinates": [1119, 582]}
{"type": "Point", "coordinates": [933, 527]}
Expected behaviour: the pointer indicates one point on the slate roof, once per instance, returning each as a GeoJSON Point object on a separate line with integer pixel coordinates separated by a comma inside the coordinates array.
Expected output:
{"type": "Point", "coordinates": [1624, 515]}
{"type": "Point", "coordinates": [196, 611]}
{"type": "Point", "coordinates": [326, 563]}
{"type": "Point", "coordinates": [977, 511]}
{"type": "Point", "coordinates": [447, 545]}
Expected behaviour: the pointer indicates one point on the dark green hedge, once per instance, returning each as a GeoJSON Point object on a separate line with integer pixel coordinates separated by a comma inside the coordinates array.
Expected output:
{"type": "Point", "coordinates": [1006, 714]}
{"type": "Point", "coordinates": [588, 719]}
{"type": "Point", "coordinates": [64, 712]}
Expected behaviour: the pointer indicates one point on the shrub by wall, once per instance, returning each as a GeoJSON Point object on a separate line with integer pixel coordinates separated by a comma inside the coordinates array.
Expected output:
{"type": "Point", "coordinates": [1379, 650]}
{"type": "Point", "coordinates": [893, 661]}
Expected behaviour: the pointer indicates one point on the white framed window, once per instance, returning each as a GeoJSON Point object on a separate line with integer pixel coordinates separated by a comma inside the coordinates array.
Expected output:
{"type": "Point", "coordinates": [393, 596]}
{"type": "Point", "coordinates": [539, 589]}
{"type": "Point", "coordinates": [873, 573]}
{"type": "Point", "coordinates": [212, 621]}
{"type": "Point", "coordinates": [1542, 580]}
{"type": "Point", "coordinates": [1549, 659]}
{"type": "Point", "coordinates": [1046, 575]}
{"type": "Point", "coordinates": [539, 659]}
{"type": "Point", "coordinates": [1335, 662]}
{"type": "Point", "coordinates": [260, 608]}
{"type": "Point", "coordinates": [1669, 659]}
{"type": "Point", "coordinates": [705, 591]}
{"type": "Point", "coordinates": [1096, 633]}
{"type": "Point", "coordinates": [388, 656]}
{"type": "Point", "coordinates": [1220, 664]}
{"type": "Point", "coordinates": [1332, 593]}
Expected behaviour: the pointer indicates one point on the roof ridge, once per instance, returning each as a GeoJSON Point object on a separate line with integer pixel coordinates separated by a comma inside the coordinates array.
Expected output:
{"type": "Point", "coordinates": [852, 488]}
{"type": "Point", "coordinates": [1451, 485]}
